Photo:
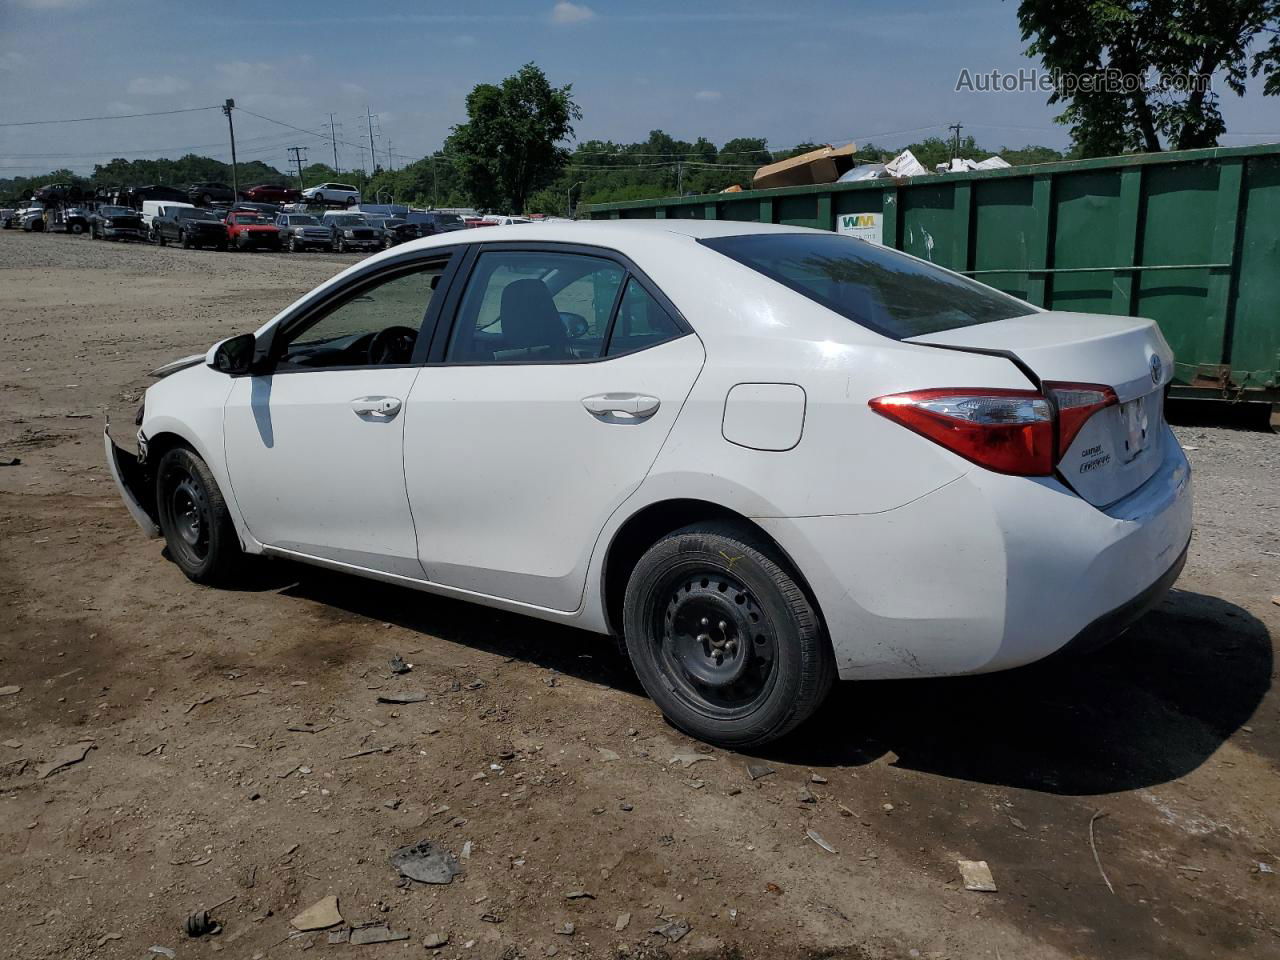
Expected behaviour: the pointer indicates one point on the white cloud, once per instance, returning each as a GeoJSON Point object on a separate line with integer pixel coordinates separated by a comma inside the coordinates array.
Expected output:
{"type": "Point", "coordinates": [240, 74]}
{"type": "Point", "coordinates": [12, 61]}
{"type": "Point", "coordinates": [566, 12]}
{"type": "Point", "coordinates": [352, 89]}
{"type": "Point", "coordinates": [708, 96]}
{"type": "Point", "coordinates": [158, 86]}
{"type": "Point", "coordinates": [464, 40]}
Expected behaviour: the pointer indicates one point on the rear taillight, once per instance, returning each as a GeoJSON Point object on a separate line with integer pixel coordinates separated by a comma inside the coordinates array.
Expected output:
{"type": "Point", "coordinates": [1020, 432]}
{"type": "Point", "coordinates": [1076, 403]}
{"type": "Point", "coordinates": [1009, 431]}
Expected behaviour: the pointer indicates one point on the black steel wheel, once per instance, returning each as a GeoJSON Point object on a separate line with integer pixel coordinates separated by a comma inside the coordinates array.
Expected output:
{"type": "Point", "coordinates": [723, 637]}
{"type": "Point", "coordinates": [194, 519]}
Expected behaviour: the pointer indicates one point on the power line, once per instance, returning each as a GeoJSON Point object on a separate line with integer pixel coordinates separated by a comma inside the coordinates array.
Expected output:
{"type": "Point", "coordinates": [117, 116]}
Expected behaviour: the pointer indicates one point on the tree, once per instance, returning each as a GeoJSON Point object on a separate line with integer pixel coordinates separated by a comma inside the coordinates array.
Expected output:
{"type": "Point", "coordinates": [510, 145]}
{"type": "Point", "coordinates": [1141, 71]}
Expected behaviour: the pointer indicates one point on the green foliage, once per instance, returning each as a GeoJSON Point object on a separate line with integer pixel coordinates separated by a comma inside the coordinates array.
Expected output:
{"type": "Point", "coordinates": [1148, 40]}
{"type": "Point", "coordinates": [510, 145]}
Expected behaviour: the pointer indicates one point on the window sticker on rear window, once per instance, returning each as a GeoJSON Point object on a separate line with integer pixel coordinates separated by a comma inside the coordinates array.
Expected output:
{"type": "Point", "coordinates": [881, 289]}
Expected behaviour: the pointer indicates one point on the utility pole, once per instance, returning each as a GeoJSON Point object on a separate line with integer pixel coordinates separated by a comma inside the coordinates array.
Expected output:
{"type": "Point", "coordinates": [373, 157]}
{"type": "Point", "coordinates": [333, 139]}
{"type": "Point", "coordinates": [295, 154]}
{"type": "Point", "coordinates": [235, 184]}
{"type": "Point", "coordinates": [957, 127]}
{"type": "Point", "coordinates": [435, 192]}
{"type": "Point", "coordinates": [568, 199]}
{"type": "Point", "coordinates": [679, 178]}
{"type": "Point", "coordinates": [390, 163]}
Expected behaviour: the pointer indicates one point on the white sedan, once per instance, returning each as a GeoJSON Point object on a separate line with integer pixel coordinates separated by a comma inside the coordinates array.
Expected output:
{"type": "Point", "coordinates": [763, 456]}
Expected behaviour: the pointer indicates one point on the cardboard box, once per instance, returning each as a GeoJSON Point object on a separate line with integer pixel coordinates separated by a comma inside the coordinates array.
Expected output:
{"type": "Point", "coordinates": [823, 165]}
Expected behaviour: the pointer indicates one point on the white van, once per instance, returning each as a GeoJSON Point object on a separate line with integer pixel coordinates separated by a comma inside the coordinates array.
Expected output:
{"type": "Point", "coordinates": [157, 208]}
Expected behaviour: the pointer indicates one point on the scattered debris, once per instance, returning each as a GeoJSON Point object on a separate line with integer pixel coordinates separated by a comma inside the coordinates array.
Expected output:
{"type": "Point", "coordinates": [757, 771]}
{"type": "Point", "coordinates": [107, 938]}
{"type": "Point", "coordinates": [977, 876]}
{"type": "Point", "coordinates": [399, 666]}
{"type": "Point", "coordinates": [626, 807]}
{"type": "Point", "coordinates": [774, 889]}
{"type": "Point", "coordinates": [321, 915]}
{"type": "Point", "coordinates": [64, 758]}
{"type": "Point", "coordinates": [408, 696]}
{"type": "Point", "coordinates": [200, 923]}
{"type": "Point", "coordinates": [807, 796]}
{"type": "Point", "coordinates": [845, 811]}
{"type": "Point", "coordinates": [623, 921]}
{"type": "Point", "coordinates": [307, 727]}
{"type": "Point", "coordinates": [1265, 867]}
{"type": "Point", "coordinates": [340, 936]}
{"type": "Point", "coordinates": [566, 929]}
{"type": "Point", "coordinates": [687, 760]}
{"type": "Point", "coordinates": [608, 756]}
{"type": "Point", "coordinates": [10, 691]}
{"type": "Point", "coordinates": [379, 933]}
{"type": "Point", "coordinates": [10, 461]}
{"type": "Point", "coordinates": [674, 930]}
{"type": "Point", "coordinates": [1094, 847]}
{"type": "Point", "coordinates": [162, 951]}
{"type": "Point", "coordinates": [817, 838]}
{"type": "Point", "coordinates": [466, 851]}
{"type": "Point", "coordinates": [435, 941]}
{"type": "Point", "coordinates": [579, 895]}
{"type": "Point", "coordinates": [199, 703]}
{"type": "Point", "coordinates": [887, 807]}
{"type": "Point", "coordinates": [13, 744]}
{"type": "Point", "coordinates": [425, 863]}
{"type": "Point", "coordinates": [817, 778]}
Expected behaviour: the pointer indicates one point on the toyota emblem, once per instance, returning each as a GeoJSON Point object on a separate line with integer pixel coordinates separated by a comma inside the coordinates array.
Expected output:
{"type": "Point", "coordinates": [1157, 370]}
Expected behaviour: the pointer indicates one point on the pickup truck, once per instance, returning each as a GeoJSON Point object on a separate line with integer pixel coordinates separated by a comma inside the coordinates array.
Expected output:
{"type": "Point", "coordinates": [189, 226]}
{"type": "Point", "coordinates": [248, 229]}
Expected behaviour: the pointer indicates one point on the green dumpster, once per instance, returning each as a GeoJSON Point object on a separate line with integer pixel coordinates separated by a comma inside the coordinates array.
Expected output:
{"type": "Point", "coordinates": [1190, 239]}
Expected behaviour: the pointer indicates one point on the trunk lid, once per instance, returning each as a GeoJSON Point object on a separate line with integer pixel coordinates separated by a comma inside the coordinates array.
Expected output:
{"type": "Point", "coordinates": [1120, 446]}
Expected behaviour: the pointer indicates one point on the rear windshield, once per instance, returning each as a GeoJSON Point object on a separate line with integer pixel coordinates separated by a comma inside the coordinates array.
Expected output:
{"type": "Point", "coordinates": [874, 286]}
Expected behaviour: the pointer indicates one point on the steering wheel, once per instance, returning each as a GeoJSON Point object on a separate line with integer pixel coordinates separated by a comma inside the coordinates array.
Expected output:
{"type": "Point", "coordinates": [575, 324]}
{"type": "Point", "coordinates": [392, 345]}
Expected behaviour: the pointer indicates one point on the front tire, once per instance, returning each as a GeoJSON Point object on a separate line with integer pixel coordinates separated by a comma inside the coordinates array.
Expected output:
{"type": "Point", "coordinates": [723, 637]}
{"type": "Point", "coordinates": [194, 519]}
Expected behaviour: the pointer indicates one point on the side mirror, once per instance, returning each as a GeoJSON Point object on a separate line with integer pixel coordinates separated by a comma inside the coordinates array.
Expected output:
{"type": "Point", "coordinates": [235, 355]}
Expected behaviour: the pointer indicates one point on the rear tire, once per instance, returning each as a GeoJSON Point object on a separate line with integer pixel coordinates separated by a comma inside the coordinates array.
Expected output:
{"type": "Point", "coordinates": [723, 638]}
{"type": "Point", "coordinates": [194, 519]}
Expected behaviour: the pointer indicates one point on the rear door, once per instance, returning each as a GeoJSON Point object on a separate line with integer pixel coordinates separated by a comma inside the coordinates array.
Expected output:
{"type": "Point", "coordinates": [1120, 445]}
{"type": "Point", "coordinates": [548, 401]}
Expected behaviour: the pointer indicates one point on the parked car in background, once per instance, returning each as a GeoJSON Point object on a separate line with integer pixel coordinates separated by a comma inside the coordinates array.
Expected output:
{"type": "Point", "coordinates": [431, 222]}
{"type": "Point", "coordinates": [606, 425]}
{"type": "Point", "coordinates": [6, 217]}
{"type": "Point", "coordinates": [477, 222]}
{"type": "Point", "coordinates": [301, 231]}
{"type": "Point", "coordinates": [394, 230]}
{"type": "Point", "coordinates": [251, 230]}
{"type": "Point", "coordinates": [159, 208]}
{"type": "Point", "coordinates": [338, 194]}
{"type": "Point", "coordinates": [31, 220]}
{"type": "Point", "coordinates": [351, 232]}
{"type": "Point", "coordinates": [267, 209]}
{"type": "Point", "coordinates": [137, 197]}
{"type": "Point", "coordinates": [116, 223]}
{"type": "Point", "coordinates": [503, 221]}
{"type": "Point", "coordinates": [74, 220]}
{"type": "Point", "coordinates": [189, 226]}
{"type": "Point", "coordinates": [207, 193]}
{"type": "Point", "coordinates": [272, 193]}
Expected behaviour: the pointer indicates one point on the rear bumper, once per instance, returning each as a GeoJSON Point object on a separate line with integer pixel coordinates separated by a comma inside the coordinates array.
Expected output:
{"type": "Point", "coordinates": [989, 572]}
{"type": "Point", "coordinates": [131, 481]}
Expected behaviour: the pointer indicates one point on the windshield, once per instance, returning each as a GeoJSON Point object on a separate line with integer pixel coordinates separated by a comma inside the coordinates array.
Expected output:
{"type": "Point", "coordinates": [874, 286]}
{"type": "Point", "coordinates": [302, 220]}
{"type": "Point", "coordinates": [194, 214]}
{"type": "Point", "coordinates": [116, 211]}
{"type": "Point", "coordinates": [375, 222]}
{"type": "Point", "coordinates": [347, 220]}
{"type": "Point", "coordinates": [251, 218]}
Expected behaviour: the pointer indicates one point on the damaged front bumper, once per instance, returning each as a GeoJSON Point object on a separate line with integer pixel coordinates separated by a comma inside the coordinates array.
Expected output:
{"type": "Point", "coordinates": [134, 483]}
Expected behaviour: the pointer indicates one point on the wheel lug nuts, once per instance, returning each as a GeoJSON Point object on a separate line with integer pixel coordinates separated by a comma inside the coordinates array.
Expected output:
{"type": "Point", "coordinates": [705, 622]}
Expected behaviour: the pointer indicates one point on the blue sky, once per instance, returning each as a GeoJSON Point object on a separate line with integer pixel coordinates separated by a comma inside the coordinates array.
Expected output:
{"type": "Point", "coordinates": [804, 70]}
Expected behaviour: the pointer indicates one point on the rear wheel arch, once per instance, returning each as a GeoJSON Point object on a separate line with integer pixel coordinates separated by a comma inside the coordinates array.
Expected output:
{"type": "Point", "coordinates": [651, 523]}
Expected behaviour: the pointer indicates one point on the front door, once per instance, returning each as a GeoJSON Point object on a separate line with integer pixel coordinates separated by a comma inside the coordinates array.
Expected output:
{"type": "Point", "coordinates": [560, 380]}
{"type": "Point", "coordinates": [315, 444]}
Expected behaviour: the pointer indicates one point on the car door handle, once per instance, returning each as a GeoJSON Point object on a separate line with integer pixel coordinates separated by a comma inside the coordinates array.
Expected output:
{"type": "Point", "coordinates": [382, 407]}
{"type": "Point", "coordinates": [622, 407]}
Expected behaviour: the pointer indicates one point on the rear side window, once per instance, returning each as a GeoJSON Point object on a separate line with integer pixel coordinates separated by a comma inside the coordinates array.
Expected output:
{"type": "Point", "coordinates": [641, 323]}
{"type": "Point", "coordinates": [873, 286]}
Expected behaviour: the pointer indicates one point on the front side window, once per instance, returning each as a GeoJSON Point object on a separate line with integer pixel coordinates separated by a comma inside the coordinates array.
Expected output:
{"type": "Point", "coordinates": [878, 288]}
{"type": "Point", "coordinates": [378, 324]}
{"type": "Point", "coordinates": [535, 307]}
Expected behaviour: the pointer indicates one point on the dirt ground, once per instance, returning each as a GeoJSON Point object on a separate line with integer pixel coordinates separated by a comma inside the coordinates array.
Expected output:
{"type": "Point", "coordinates": [238, 749]}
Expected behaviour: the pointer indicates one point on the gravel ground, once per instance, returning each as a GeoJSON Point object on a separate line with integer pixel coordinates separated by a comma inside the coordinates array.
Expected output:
{"type": "Point", "coordinates": [1126, 802]}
